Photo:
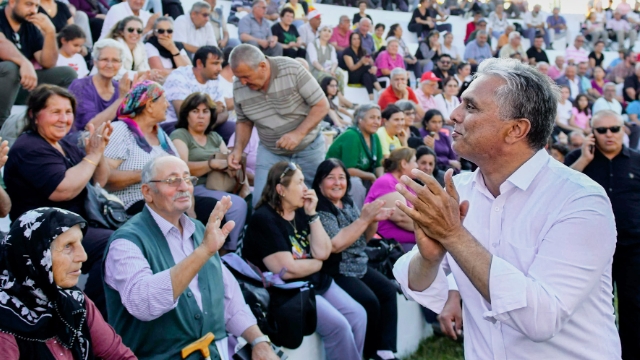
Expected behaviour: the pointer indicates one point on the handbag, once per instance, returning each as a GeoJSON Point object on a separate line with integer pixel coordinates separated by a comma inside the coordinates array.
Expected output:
{"type": "Point", "coordinates": [383, 254]}
{"type": "Point", "coordinates": [222, 181]}
{"type": "Point", "coordinates": [103, 210]}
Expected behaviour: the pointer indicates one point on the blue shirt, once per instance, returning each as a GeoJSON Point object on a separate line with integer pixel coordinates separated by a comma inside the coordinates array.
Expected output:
{"type": "Point", "coordinates": [367, 42]}
{"type": "Point", "coordinates": [474, 51]}
{"type": "Point", "coordinates": [634, 108]}
{"type": "Point", "coordinates": [554, 23]}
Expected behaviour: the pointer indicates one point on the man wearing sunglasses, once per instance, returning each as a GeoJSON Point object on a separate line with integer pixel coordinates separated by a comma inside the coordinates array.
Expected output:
{"type": "Point", "coordinates": [165, 284]}
{"type": "Point", "coordinates": [28, 39]}
{"type": "Point", "coordinates": [443, 69]}
{"type": "Point", "coordinates": [606, 160]}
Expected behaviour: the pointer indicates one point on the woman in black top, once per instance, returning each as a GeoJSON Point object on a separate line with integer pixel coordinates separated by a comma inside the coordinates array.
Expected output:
{"type": "Point", "coordinates": [285, 237]}
{"type": "Point", "coordinates": [362, 5]}
{"type": "Point", "coordinates": [350, 230]}
{"type": "Point", "coordinates": [420, 22]}
{"type": "Point", "coordinates": [360, 66]}
{"type": "Point", "coordinates": [57, 11]}
{"type": "Point", "coordinates": [596, 57]}
{"type": "Point", "coordinates": [288, 35]}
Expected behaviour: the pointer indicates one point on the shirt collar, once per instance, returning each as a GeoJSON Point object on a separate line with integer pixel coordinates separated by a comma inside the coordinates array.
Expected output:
{"type": "Point", "coordinates": [521, 178]}
{"type": "Point", "coordinates": [188, 227]}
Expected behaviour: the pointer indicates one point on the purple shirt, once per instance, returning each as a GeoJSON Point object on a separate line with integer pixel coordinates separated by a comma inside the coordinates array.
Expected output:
{"type": "Point", "coordinates": [84, 5]}
{"type": "Point", "coordinates": [385, 61]}
{"type": "Point", "coordinates": [89, 102]}
{"type": "Point", "coordinates": [443, 148]}
{"type": "Point", "coordinates": [147, 296]}
{"type": "Point", "coordinates": [384, 185]}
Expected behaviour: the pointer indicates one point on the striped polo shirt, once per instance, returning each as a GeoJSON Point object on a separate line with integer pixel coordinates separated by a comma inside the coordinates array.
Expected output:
{"type": "Point", "coordinates": [283, 107]}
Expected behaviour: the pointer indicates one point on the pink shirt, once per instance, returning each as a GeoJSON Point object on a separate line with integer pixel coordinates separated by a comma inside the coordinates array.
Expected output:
{"type": "Point", "coordinates": [106, 344]}
{"type": "Point", "coordinates": [341, 40]}
{"type": "Point", "coordinates": [426, 102]}
{"type": "Point", "coordinates": [577, 55]}
{"type": "Point", "coordinates": [580, 119]}
{"type": "Point", "coordinates": [385, 61]}
{"type": "Point", "coordinates": [147, 296]}
{"type": "Point", "coordinates": [384, 185]}
{"type": "Point", "coordinates": [554, 72]}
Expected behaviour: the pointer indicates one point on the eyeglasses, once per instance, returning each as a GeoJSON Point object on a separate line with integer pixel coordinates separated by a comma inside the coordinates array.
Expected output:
{"type": "Point", "coordinates": [162, 31]}
{"type": "Point", "coordinates": [205, 14]}
{"type": "Point", "coordinates": [110, 61]}
{"type": "Point", "coordinates": [176, 181]}
{"type": "Point", "coordinates": [290, 167]}
{"type": "Point", "coordinates": [131, 30]}
{"type": "Point", "coordinates": [603, 130]}
{"type": "Point", "coordinates": [16, 40]}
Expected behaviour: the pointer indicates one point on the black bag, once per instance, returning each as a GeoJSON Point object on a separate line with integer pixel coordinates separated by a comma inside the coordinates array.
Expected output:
{"type": "Point", "coordinates": [383, 254]}
{"type": "Point", "coordinates": [103, 210]}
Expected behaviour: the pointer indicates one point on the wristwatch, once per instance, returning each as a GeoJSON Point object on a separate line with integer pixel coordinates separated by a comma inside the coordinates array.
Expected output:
{"type": "Point", "coordinates": [260, 339]}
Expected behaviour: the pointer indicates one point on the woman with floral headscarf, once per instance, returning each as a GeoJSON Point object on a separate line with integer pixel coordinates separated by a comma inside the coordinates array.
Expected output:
{"type": "Point", "coordinates": [46, 168]}
{"type": "Point", "coordinates": [43, 315]}
{"type": "Point", "coordinates": [137, 138]}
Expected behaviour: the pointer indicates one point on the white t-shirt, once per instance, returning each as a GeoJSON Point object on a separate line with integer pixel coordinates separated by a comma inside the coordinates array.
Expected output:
{"type": "Point", "coordinates": [76, 62]}
{"type": "Point", "coordinates": [185, 31]}
{"type": "Point", "coordinates": [118, 12]}
{"type": "Point", "coordinates": [564, 112]}
{"type": "Point", "coordinates": [182, 83]}
{"type": "Point", "coordinates": [529, 18]}
{"type": "Point", "coordinates": [166, 62]}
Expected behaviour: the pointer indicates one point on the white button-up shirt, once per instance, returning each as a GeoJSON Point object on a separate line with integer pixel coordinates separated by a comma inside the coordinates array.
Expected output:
{"type": "Point", "coordinates": [185, 31]}
{"type": "Point", "coordinates": [552, 235]}
{"type": "Point", "coordinates": [118, 12]}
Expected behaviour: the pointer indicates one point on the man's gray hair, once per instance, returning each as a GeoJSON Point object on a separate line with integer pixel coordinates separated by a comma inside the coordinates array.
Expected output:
{"type": "Point", "coordinates": [607, 113]}
{"type": "Point", "coordinates": [512, 35]}
{"type": "Point", "coordinates": [199, 5]}
{"type": "Point", "coordinates": [161, 19]}
{"type": "Point", "coordinates": [397, 71]}
{"type": "Point", "coordinates": [540, 64]}
{"type": "Point", "coordinates": [484, 32]}
{"type": "Point", "coordinates": [149, 169]}
{"type": "Point", "coordinates": [364, 20]}
{"type": "Point", "coordinates": [406, 105]}
{"type": "Point", "coordinates": [575, 133]}
{"type": "Point", "coordinates": [106, 43]}
{"type": "Point", "coordinates": [362, 110]}
{"type": "Point", "coordinates": [256, 3]}
{"type": "Point", "coordinates": [246, 54]}
{"type": "Point", "coordinates": [609, 84]}
{"type": "Point", "coordinates": [526, 94]}
{"type": "Point", "coordinates": [343, 17]}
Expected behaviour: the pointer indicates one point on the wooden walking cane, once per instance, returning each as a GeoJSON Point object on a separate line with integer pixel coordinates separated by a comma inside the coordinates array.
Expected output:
{"type": "Point", "coordinates": [201, 345]}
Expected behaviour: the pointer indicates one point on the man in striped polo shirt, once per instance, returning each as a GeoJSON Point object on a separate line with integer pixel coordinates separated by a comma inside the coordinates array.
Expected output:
{"type": "Point", "coordinates": [286, 104]}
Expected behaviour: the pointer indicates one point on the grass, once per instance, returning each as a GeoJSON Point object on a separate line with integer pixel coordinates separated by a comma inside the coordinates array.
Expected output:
{"type": "Point", "coordinates": [438, 348]}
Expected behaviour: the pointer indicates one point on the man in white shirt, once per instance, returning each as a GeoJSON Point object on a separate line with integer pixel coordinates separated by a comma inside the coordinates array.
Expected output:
{"type": "Point", "coordinates": [309, 31]}
{"type": "Point", "coordinates": [623, 30]}
{"type": "Point", "coordinates": [195, 30]}
{"type": "Point", "coordinates": [203, 77]}
{"type": "Point", "coordinates": [128, 8]}
{"type": "Point", "coordinates": [608, 100]}
{"type": "Point", "coordinates": [535, 21]}
{"type": "Point", "coordinates": [529, 241]}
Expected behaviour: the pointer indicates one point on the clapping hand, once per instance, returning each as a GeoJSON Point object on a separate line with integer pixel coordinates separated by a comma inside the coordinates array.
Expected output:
{"type": "Point", "coordinates": [374, 212]}
{"type": "Point", "coordinates": [98, 138]}
{"type": "Point", "coordinates": [4, 150]}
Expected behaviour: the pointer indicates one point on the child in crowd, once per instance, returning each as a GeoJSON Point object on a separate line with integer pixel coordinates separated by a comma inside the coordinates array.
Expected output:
{"type": "Point", "coordinates": [70, 41]}
{"type": "Point", "coordinates": [581, 114]}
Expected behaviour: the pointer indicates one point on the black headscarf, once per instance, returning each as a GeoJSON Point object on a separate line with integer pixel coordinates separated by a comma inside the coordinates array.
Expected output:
{"type": "Point", "coordinates": [32, 307]}
{"type": "Point", "coordinates": [153, 40]}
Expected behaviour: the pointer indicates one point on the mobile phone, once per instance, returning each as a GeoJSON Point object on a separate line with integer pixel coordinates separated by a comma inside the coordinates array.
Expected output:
{"type": "Point", "coordinates": [592, 147]}
{"type": "Point", "coordinates": [433, 133]}
{"type": "Point", "coordinates": [367, 56]}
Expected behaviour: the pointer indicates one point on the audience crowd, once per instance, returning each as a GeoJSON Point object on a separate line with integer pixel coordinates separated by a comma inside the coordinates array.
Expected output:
{"type": "Point", "coordinates": [249, 145]}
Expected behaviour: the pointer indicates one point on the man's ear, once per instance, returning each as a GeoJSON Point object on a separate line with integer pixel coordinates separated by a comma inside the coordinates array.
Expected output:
{"type": "Point", "coordinates": [517, 130]}
{"type": "Point", "coordinates": [146, 193]}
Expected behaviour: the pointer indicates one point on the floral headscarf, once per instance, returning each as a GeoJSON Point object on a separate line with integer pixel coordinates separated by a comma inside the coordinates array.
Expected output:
{"type": "Point", "coordinates": [133, 104]}
{"type": "Point", "coordinates": [32, 307]}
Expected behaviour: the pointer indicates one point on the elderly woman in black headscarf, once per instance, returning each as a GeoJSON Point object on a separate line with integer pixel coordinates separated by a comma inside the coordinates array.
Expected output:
{"type": "Point", "coordinates": [42, 312]}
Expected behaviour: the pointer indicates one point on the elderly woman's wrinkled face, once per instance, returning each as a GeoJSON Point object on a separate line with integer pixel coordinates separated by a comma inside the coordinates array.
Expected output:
{"type": "Point", "coordinates": [293, 194]}
{"type": "Point", "coordinates": [164, 30]}
{"type": "Point", "coordinates": [325, 34]}
{"type": "Point", "coordinates": [426, 164]}
{"type": "Point", "coordinates": [158, 109]}
{"type": "Point", "coordinates": [371, 121]}
{"type": "Point", "coordinates": [67, 256]}
{"type": "Point", "coordinates": [109, 62]}
{"type": "Point", "coordinates": [334, 186]}
{"type": "Point", "coordinates": [392, 48]}
{"type": "Point", "coordinates": [409, 117]}
{"type": "Point", "coordinates": [199, 118]}
{"type": "Point", "coordinates": [55, 120]}
{"type": "Point", "coordinates": [133, 32]}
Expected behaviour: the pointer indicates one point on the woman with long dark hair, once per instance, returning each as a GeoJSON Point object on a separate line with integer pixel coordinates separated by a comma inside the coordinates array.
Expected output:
{"type": "Point", "coordinates": [334, 117]}
{"type": "Point", "coordinates": [360, 65]}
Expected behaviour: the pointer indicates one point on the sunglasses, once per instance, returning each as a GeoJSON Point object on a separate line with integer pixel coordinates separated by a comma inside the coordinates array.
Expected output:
{"type": "Point", "coordinates": [131, 30]}
{"type": "Point", "coordinates": [16, 40]}
{"type": "Point", "coordinates": [603, 130]}
{"type": "Point", "coordinates": [290, 167]}
{"type": "Point", "coordinates": [162, 31]}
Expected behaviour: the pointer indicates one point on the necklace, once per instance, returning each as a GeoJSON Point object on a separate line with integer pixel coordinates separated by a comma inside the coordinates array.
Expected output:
{"type": "Point", "coordinates": [293, 225]}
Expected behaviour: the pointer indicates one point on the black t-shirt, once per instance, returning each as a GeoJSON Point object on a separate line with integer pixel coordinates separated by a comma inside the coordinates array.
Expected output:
{"type": "Point", "coordinates": [61, 18]}
{"type": "Point", "coordinates": [269, 233]}
{"type": "Point", "coordinates": [357, 17]}
{"type": "Point", "coordinates": [620, 178]}
{"type": "Point", "coordinates": [34, 171]}
{"type": "Point", "coordinates": [599, 60]}
{"type": "Point", "coordinates": [416, 14]}
{"type": "Point", "coordinates": [28, 39]}
{"type": "Point", "coordinates": [284, 36]}
{"type": "Point", "coordinates": [348, 52]}
{"type": "Point", "coordinates": [538, 55]}
{"type": "Point", "coordinates": [630, 82]}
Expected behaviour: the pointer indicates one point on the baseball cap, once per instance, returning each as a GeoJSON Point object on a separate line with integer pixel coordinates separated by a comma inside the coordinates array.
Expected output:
{"type": "Point", "coordinates": [313, 13]}
{"type": "Point", "coordinates": [429, 76]}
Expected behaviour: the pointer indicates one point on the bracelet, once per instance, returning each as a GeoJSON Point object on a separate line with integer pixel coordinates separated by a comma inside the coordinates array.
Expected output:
{"type": "Point", "coordinates": [90, 162]}
{"type": "Point", "coordinates": [313, 218]}
{"type": "Point", "coordinates": [178, 53]}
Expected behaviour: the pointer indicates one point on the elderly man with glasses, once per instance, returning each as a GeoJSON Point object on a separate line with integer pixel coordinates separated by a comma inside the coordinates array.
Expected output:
{"type": "Point", "coordinates": [605, 159]}
{"type": "Point", "coordinates": [165, 284]}
{"type": "Point", "coordinates": [195, 30]}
